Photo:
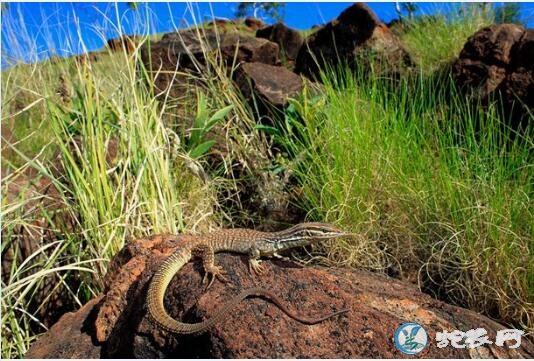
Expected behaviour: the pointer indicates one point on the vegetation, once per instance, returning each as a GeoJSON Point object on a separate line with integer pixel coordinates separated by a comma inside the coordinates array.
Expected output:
{"type": "Point", "coordinates": [263, 10]}
{"type": "Point", "coordinates": [439, 191]}
{"type": "Point", "coordinates": [435, 40]}
{"type": "Point", "coordinates": [508, 13]}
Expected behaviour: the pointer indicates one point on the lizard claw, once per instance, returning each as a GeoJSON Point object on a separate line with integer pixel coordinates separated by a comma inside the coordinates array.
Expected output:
{"type": "Point", "coordinates": [214, 272]}
{"type": "Point", "coordinates": [256, 267]}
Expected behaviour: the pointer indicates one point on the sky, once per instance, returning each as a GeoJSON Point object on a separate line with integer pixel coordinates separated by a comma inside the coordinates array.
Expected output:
{"type": "Point", "coordinates": [35, 31]}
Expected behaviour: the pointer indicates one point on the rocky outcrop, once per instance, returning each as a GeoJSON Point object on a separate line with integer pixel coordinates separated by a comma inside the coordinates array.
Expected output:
{"type": "Point", "coordinates": [355, 37]}
{"type": "Point", "coordinates": [289, 40]}
{"type": "Point", "coordinates": [87, 58]}
{"type": "Point", "coordinates": [272, 84]}
{"type": "Point", "coordinates": [498, 62]}
{"type": "Point", "coordinates": [186, 51]}
{"type": "Point", "coordinates": [180, 50]}
{"type": "Point", "coordinates": [377, 305]}
{"type": "Point", "coordinates": [254, 23]}
{"type": "Point", "coordinates": [124, 42]}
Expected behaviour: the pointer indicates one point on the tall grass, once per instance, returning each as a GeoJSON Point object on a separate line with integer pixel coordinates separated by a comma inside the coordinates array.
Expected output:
{"type": "Point", "coordinates": [440, 191]}
{"type": "Point", "coordinates": [434, 40]}
{"type": "Point", "coordinates": [128, 161]}
{"type": "Point", "coordinates": [104, 140]}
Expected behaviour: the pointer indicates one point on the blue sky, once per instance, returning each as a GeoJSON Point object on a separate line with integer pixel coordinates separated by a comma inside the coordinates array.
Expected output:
{"type": "Point", "coordinates": [33, 31]}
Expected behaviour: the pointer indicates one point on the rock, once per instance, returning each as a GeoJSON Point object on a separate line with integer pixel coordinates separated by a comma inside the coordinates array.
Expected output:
{"type": "Point", "coordinates": [186, 51]}
{"type": "Point", "coordinates": [481, 77]}
{"type": "Point", "coordinates": [289, 40]}
{"type": "Point", "coordinates": [126, 42]}
{"type": "Point", "coordinates": [71, 337]}
{"type": "Point", "coordinates": [221, 22]}
{"type": "Point", "coordinates": [497, 63]}
{"type": "Point", "coordinates": [354, 37]}
{"type": "Point", "coordinates": [493, 44]}
{"type": "Point", "coordinates": [524, 56]}
{"type": "Point", "coordinates": [272, 83]}
{"type": "Point", "coordinates": [87, 58]}
{"type": "Point", "coordinates": [254, 23]}
{"type": "Point", "coordinates": [257, 328]}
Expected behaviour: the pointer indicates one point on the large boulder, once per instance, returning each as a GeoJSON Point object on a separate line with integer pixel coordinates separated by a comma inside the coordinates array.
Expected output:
{"type": "Point", "coordinates": [498, 62]}
{"type": "Point", "coordinates": [289, 40]}
{"type": "Point", "coordinates": [377, 305]}
{"type": "Point", "coordinates": [355, 37]}
{"type": "Point", "coordinates": [273, 84]}
{"type": "Point", "coordinates": [186, 50]}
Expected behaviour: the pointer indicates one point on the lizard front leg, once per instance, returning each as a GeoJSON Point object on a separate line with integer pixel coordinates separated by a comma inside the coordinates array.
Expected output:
{"type": "Point", "coordinates": [205, 252]}
{"type": "Point", "coordinates": [254, 262]}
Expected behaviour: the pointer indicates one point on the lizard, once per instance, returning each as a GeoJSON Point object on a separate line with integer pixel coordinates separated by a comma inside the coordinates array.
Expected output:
{"type": "Point", "coordinates": [255, 244]}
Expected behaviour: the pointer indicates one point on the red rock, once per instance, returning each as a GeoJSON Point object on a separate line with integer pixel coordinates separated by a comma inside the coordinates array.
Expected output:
{"type": "Point", "coordinates": [289, 40]}
{"type": "Point", "coordinates": [254, 23]}
{"type": "Point", "coordinates": [493, 44]}
{"type": "Point", "coordinates": [70, 337]}
{"type": "Point", "coordinates": [272, 83]}
{"type": "Point", "coordinates": [256, 328]}
{"type": "Point", "coordinates": [124, 42]}
{"type": "Point", "coordinates": [356, 32]}
{"type": "Point", "coordinates": [497, 63]}
{"type": "Point", "coordinates": [185, 51]}
{"type": "Point", "coordinates": [524, 56]}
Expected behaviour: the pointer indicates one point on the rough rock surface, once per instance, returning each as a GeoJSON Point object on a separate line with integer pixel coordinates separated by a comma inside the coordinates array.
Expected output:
{"type": "Point", "coordinates": [272, 83]}
{"type": "Point", "coordinates": [71, 337]}
{"type": "Point", "coordinates": [289, 40]}
{"type": "Point", "coordinates": [185, 50]}
{"type": "Point", "coordinates": [256, 328]}
{"type": "Point", "coordinates": [499, 59]}
{"type": "Point", "coordinates": [353, 37]}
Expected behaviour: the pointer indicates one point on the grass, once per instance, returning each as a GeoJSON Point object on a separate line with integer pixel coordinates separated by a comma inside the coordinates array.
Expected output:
{"type": "Point", "coordinates": [433, 41]}
{"type": "Point", "coordinates": [439, 192]}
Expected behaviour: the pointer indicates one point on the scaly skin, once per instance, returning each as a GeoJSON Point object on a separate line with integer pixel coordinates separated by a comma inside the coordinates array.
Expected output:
{"type": "Point", "coordinates": [246, 241]}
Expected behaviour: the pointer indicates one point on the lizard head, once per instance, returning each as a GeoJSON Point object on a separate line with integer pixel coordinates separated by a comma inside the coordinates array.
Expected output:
{"type": "Point", "coordinates": [302, 234]}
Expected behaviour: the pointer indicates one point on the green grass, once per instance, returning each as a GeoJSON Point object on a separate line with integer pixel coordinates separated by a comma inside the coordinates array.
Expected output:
{"type": "Point", "coordinates": [438, 191]}
{"type": "Point", "coordinates": [157, 182]}
{"type": "Point", "coordinates": [434, 41]}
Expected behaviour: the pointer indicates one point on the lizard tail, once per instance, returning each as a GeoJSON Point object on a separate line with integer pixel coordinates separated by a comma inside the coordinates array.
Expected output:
{"type": "Point", "coordinates": [276, 300]}
{"type": "Point", "coordinates": [173, 325]}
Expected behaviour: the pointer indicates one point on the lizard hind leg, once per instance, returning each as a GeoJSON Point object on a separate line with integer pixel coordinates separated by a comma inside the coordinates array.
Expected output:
{"type": "Point", "coordinates": [211, 271]}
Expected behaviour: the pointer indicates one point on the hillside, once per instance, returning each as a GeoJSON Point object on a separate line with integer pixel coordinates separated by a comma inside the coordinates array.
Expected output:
{"type": "Point", "coordinates": [236, 124]}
